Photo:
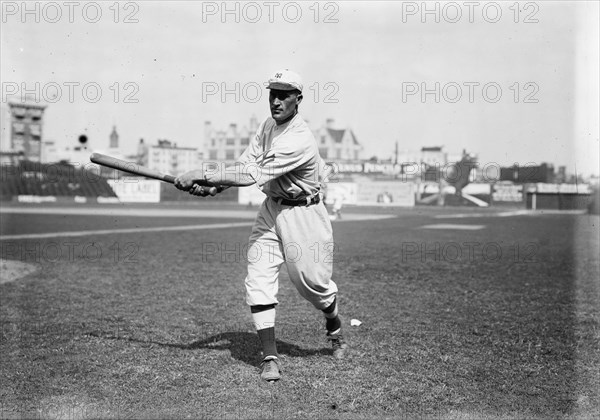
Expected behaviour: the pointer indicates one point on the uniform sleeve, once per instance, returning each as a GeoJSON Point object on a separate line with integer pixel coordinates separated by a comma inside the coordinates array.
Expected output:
{"type": "Point", "coordinates": [254, 147]}
{"type": "Point", "coordinates": [285, 156]}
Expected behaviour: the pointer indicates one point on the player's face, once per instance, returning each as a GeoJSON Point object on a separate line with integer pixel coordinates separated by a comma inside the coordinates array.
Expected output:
{"type": "Point", "coordinates": [283, 104]}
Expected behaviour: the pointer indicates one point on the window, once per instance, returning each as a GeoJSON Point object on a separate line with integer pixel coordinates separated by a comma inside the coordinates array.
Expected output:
{"type": "Point", "coordinates": [230, 142]}
{"type": "Point", "coordinates": [323, 140]}
{"type": "Point", "coordinates": [36, 114]}
{"type": "Point", "coordinates": [19, 112]}
{"type": "Point", "coordinates": [338, 154]}
{"type": "Point", "coordinates": [212, 154]}
{"type": "Point", "coordinates": [245, 141]}
{"type": "Point", "coordinates": [323, 152]}
{"type": "Point", "coordinates": [229, 154]}
{"type": "Point", "coordinates": [35, 130]}
{"type": "Point", "coordinates": [19, 128]}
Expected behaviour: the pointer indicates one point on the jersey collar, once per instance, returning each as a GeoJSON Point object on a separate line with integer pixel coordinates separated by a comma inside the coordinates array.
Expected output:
{"type": "Point", "coordinates": [283, 127]}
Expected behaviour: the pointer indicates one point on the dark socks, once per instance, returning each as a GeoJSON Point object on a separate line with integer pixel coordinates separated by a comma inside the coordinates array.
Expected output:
{"type": "Point", "coordinates": [267, 339]}
{"type": "Point", "coordinates": [332, 320]}
{"type": "Point", "coordinates": [333, 324]}
{"type": "Point", "coordinates": [264, 319]}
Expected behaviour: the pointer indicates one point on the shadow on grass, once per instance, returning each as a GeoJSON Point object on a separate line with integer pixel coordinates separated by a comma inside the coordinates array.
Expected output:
{"type": "Point", "coordinates": [244, 346]}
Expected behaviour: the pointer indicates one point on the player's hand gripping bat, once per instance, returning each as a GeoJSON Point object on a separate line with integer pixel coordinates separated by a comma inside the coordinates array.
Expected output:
{"type": "Point", "coordinates": [135, 169]}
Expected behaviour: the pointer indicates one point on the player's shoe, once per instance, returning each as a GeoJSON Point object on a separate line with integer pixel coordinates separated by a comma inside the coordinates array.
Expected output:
{"type": "Point", "coordinates": [338, 345]}
{"type": "Point", "coordinates": [270, 369]}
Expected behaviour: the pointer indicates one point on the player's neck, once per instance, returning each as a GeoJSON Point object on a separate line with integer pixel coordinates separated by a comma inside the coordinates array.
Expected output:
{"type": "Point", "coordinates": [287, 120]}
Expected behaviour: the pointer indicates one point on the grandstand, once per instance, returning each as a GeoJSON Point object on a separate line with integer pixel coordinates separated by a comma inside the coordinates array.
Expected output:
{"type": "Point", "coordinates": [60, 180]}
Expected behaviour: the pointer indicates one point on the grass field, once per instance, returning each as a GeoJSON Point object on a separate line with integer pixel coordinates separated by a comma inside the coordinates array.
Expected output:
{"type": "Point", "coordinates": [480, 316]}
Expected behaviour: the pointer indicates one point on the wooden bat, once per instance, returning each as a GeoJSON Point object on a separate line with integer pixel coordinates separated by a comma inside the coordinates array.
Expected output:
{"type": "Point", "coordinates": [130, 167]}
{"type": "Point", "coordinates": [135, 169]}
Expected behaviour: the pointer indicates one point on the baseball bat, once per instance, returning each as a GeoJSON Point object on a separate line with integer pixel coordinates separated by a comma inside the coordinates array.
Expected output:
{"type": "Point", "coordinates": [135, 169]}
{"type": "Point", "coordinates": [130, 167]}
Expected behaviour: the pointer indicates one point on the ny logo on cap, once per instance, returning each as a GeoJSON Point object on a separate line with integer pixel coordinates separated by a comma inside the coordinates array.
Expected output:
{"type": "Point", "coordinates": [278, 75]}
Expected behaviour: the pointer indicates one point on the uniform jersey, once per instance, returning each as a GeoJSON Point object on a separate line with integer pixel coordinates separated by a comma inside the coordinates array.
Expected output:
{"type": "Point", "coordinates": [284, 160]}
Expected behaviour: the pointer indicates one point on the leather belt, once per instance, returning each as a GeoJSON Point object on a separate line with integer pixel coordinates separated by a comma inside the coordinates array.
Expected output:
{"type": "Point", "coordinates": [308, 201]}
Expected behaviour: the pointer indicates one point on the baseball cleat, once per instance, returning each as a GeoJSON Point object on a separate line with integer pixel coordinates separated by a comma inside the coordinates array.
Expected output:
{"type": "Point", "coordinates": [270, 370]}
{"type": "Point", "coordinates": [338, 345]}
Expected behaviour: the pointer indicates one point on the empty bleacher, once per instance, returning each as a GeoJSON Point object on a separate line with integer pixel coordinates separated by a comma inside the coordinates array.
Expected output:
{"type": "Point", "coordinates": [55, 179]}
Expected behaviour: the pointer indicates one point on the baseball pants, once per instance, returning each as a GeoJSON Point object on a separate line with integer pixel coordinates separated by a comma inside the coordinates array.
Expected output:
{"type": "Point", "coordinates": [302, 238]}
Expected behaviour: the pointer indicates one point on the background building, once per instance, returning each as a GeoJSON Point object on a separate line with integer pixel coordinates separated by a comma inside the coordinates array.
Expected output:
{"type": "Point", "coordinates": [4, 127]}
{"type": "Point", "coordinates": [166, 157]}
{"type": "Point", "coordinates": [433, 156]}
{"type": "Point", "coordinates": [227, 145]}
{"type": "Point", "coordinates": [528, 173]}
{"type": "Point", "coordinates": [337, 144]}
{"type": "Point", "coordinates": [26, 126]}
{"type": "Point", "coordinates": [50, 152]}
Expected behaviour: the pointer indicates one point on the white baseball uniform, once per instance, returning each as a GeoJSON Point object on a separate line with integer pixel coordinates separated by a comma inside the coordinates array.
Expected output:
{"type": "Point", "coordinates": [285, 163]}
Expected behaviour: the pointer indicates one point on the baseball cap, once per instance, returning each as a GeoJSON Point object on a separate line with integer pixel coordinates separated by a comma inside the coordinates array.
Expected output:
{"type": "Point", "coordinates": [285, 80]}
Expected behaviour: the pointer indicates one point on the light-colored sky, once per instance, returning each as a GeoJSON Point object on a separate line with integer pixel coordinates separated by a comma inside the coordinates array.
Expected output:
{"type": "Point", "coordinates": [357, 70]}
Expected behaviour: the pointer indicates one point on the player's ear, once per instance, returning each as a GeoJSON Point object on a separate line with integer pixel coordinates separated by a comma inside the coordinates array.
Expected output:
{"type": "Point", "coordinates": [299, 98]}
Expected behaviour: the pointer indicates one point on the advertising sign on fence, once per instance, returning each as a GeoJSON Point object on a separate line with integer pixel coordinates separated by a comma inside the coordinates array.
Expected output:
{"type": "Point", "coordinates": [507, 193]}
{"type": "Point", "coordinates": [133, 190]}
{"type": "Point", "coordinates": [391, 193]}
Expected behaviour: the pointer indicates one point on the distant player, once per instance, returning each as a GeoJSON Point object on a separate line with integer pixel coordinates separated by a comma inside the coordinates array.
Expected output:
{"type": "Point", "coordinates": [283, 160]}
{"type": "Point", "coordinates": [338, 202]}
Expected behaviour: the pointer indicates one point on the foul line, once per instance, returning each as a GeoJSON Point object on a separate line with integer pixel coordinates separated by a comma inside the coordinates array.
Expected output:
{"type": "Point", "coordinates": [509, 213]}
{"type": "Point", "coordinates": [130, 230]}
{"type": "Point", "coordinates": [453, 226]}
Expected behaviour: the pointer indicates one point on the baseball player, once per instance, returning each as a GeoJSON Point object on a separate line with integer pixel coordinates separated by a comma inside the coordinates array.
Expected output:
{"type": "Point", "coordinates": [283, 160]}
{"type": "Point", "coordinates": [338, 202]}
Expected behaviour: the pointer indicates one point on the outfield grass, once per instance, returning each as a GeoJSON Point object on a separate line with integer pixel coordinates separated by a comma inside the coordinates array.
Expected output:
{"type": "Point", "coordinates": [159, 329]}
